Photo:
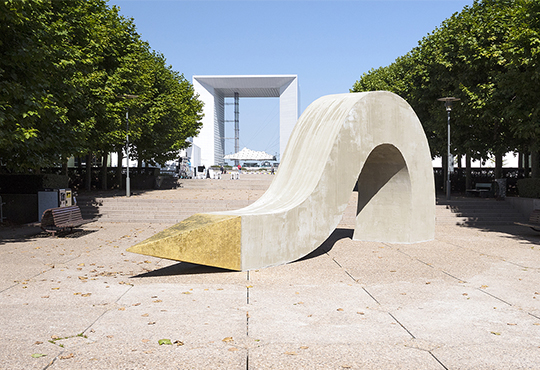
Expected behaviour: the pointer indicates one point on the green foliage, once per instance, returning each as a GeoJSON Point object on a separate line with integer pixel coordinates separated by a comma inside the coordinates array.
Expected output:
{"type": "Point", "coordinates": [487, 55]}
{"type": "Point", "coordinates": [64, 65]}
{"type": "Point", "coordinates": [167, 114]}
{"type": "Point", "coordinates": [529, 188]}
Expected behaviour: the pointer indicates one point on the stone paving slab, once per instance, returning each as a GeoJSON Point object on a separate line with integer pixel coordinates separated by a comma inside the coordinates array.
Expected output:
{"type": "Point", "coordinates": [467, 300]}
{"type": "Point", "coordinates": [369, 355]}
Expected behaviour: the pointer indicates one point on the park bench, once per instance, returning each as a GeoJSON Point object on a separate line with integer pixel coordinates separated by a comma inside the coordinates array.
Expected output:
{"type": "Point", "coordinates": [61, 219]}
{"type": "Point", "coordinates": [534, 221]}
{"type": "Point", "coordinates": [481, 189]}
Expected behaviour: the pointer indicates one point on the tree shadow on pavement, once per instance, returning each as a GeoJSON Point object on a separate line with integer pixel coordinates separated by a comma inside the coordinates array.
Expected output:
{"type": "Point", "coordinates": [186, 268]}
{"type": "Point", "coordinates": [31, 232]}
{"type": "Point", "coordinates": [522, 234]}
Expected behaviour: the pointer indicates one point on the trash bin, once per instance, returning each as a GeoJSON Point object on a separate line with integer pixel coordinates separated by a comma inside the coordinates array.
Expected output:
{"type": "Point", "coordinates": [53, 198]}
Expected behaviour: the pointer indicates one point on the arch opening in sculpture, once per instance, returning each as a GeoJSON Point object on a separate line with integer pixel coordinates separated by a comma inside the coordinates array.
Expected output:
{"type": "Point", "coordinates": [384, 195]}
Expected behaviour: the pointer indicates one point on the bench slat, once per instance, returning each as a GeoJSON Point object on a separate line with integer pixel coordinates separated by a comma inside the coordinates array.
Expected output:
{"type": "Point", "coordinates": [60, 218]}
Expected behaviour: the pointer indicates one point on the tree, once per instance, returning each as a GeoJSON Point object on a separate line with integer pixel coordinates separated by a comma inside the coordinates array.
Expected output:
{"type": "Point", "coordinates": [522, 50]}
{"type": "Point", "coordinates": [169, 113]}
{"type": "Point", "coordinates": [483, 55]}
{"type": "Point", "coordinates": [28, 103]}
{"type": "Point", "coordinates": [64, 65]}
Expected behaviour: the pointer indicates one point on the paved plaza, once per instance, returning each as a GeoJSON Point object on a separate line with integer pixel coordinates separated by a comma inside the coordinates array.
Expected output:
{"type": "Point", "coordinates": [470, 299]}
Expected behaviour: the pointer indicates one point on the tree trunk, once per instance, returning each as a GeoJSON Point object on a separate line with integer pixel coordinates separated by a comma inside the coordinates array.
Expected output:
{"type": "Point", "coordinates": [526, 164]}
{"type": "Point", "coordinates": [468, 177]}
{"type": "Point", "coordinates": [119, 170]}
{"type": "Point", "coordinates": [79, 167]}
{"type": "Point", "coordinates": [65, 167]}
{"type": "Point", "coordinates": [498, 165]}
{"type": "Point", "coordinates": [88, 171]}
{"type": "Point", "coordinates": [535, 164]}
{"type": "Point", "coordinates": [103, 171]}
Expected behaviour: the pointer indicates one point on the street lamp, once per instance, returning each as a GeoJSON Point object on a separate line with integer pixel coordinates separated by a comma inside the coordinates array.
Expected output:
{"type": "Point", "coordinates": [128, 183]}
{"type": "Point", "coordinates": [448, 102]}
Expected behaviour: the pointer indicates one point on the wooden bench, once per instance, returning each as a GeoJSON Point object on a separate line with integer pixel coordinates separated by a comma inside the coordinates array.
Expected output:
{"type": "Point", "coordinates": [482, 189]}
{"type": "Point", "coordinates": [61, 219]}
{"type": "Point", "coordinates": [534, 221]}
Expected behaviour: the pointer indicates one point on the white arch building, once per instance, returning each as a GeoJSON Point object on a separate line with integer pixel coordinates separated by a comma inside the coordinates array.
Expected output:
{"type": "Point", "coordinates": [212, 92]}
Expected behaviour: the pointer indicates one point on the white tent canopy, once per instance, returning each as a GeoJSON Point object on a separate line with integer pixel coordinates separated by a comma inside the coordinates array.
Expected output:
{"type": "Point", "coordinates": [250, 155]}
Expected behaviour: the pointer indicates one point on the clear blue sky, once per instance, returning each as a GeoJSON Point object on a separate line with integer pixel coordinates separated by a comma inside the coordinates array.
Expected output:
{"type": "Point", "coordinates": [328, 44]}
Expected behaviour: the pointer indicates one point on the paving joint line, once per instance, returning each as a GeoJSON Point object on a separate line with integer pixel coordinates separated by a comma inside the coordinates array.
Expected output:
{"type": "Point", "coordinates": [488, 255]}
{"type": "Point", "coordinates": [464, 281]}
{"type": "Point", "coordinates": [408, 255]}
{"type": "Point", "coordinates": [95, 321]}
{"type": "Point", "coordinates": [123, 294]}
{"type": "Point", "coordinates": [107, 310]}
{"type": "Point", "coordinates": [436, 359]}
{"type": "Point", "coordinates": [393, 317]}
{"type": "Point", "coordinates": [491, 295]}
{"type": "Point", "coordinates": [372, 297]}
{"type": "Point", "coordinates": [400, 324]}
{"type": "Point", "coordinates": [352, 277]}
{"type": "Point", "coordinates": [53, 360]}
{"type": "Point", "coordinates": [42, 272]}
{"type": "Point", "coordinates": [356, 281]}
{"type": "Point", "coordinates": [427, 264]}
{"type": "Point", "coordinates": [453, 277]}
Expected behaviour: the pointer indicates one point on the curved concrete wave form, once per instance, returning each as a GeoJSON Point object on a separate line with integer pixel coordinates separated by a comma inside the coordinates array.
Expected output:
{"type": "Point", "coordinates": [372, 139]}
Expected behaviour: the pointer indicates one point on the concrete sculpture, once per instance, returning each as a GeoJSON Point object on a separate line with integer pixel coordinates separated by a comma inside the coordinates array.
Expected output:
{"type": "Point", "coordinates": [373, 139]}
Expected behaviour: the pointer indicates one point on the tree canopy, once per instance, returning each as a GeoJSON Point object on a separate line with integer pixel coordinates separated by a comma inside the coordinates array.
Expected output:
{"type": "Point", "coordinates": [488, 56]}
{"type": "Point", "coordinates": [64, 66]}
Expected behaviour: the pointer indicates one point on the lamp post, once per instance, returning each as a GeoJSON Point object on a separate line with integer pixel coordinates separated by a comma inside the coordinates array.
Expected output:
{"type": "Point", "coordinates": [448, 102]}
{"type": "Point", "coordinates": [128, 183]}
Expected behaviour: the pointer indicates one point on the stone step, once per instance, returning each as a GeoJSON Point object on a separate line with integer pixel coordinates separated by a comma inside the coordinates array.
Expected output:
{"type": "Point", "coordinates": [476, 212]}
{"type": "Point", "coordinates": [249, 182]}
{"type": "Point", "coordinates": [142, 208]}
{"type": "Point", "coordinates": [476, 219]}
{"type": "Point", "coordinates": [172, 207]}
{"type": "Point", "coordinates": [127, 213]}
{"type": "Point", "coordinates": [164, 205]}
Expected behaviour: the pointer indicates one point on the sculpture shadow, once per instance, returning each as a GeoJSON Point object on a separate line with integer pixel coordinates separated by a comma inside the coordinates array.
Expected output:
{"type": "Point", "coordinates": [186, 268]}
{"type": "Point", "coordinates": [182, 268]}
{"type": "Point", "coordinates": [329, 243]}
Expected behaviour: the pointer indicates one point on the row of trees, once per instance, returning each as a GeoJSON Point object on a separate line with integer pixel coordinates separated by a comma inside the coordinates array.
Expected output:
{"type": "Point", "coordinates": [64, 66]}
{"type": "Point", "coordinates": [488, 55]}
